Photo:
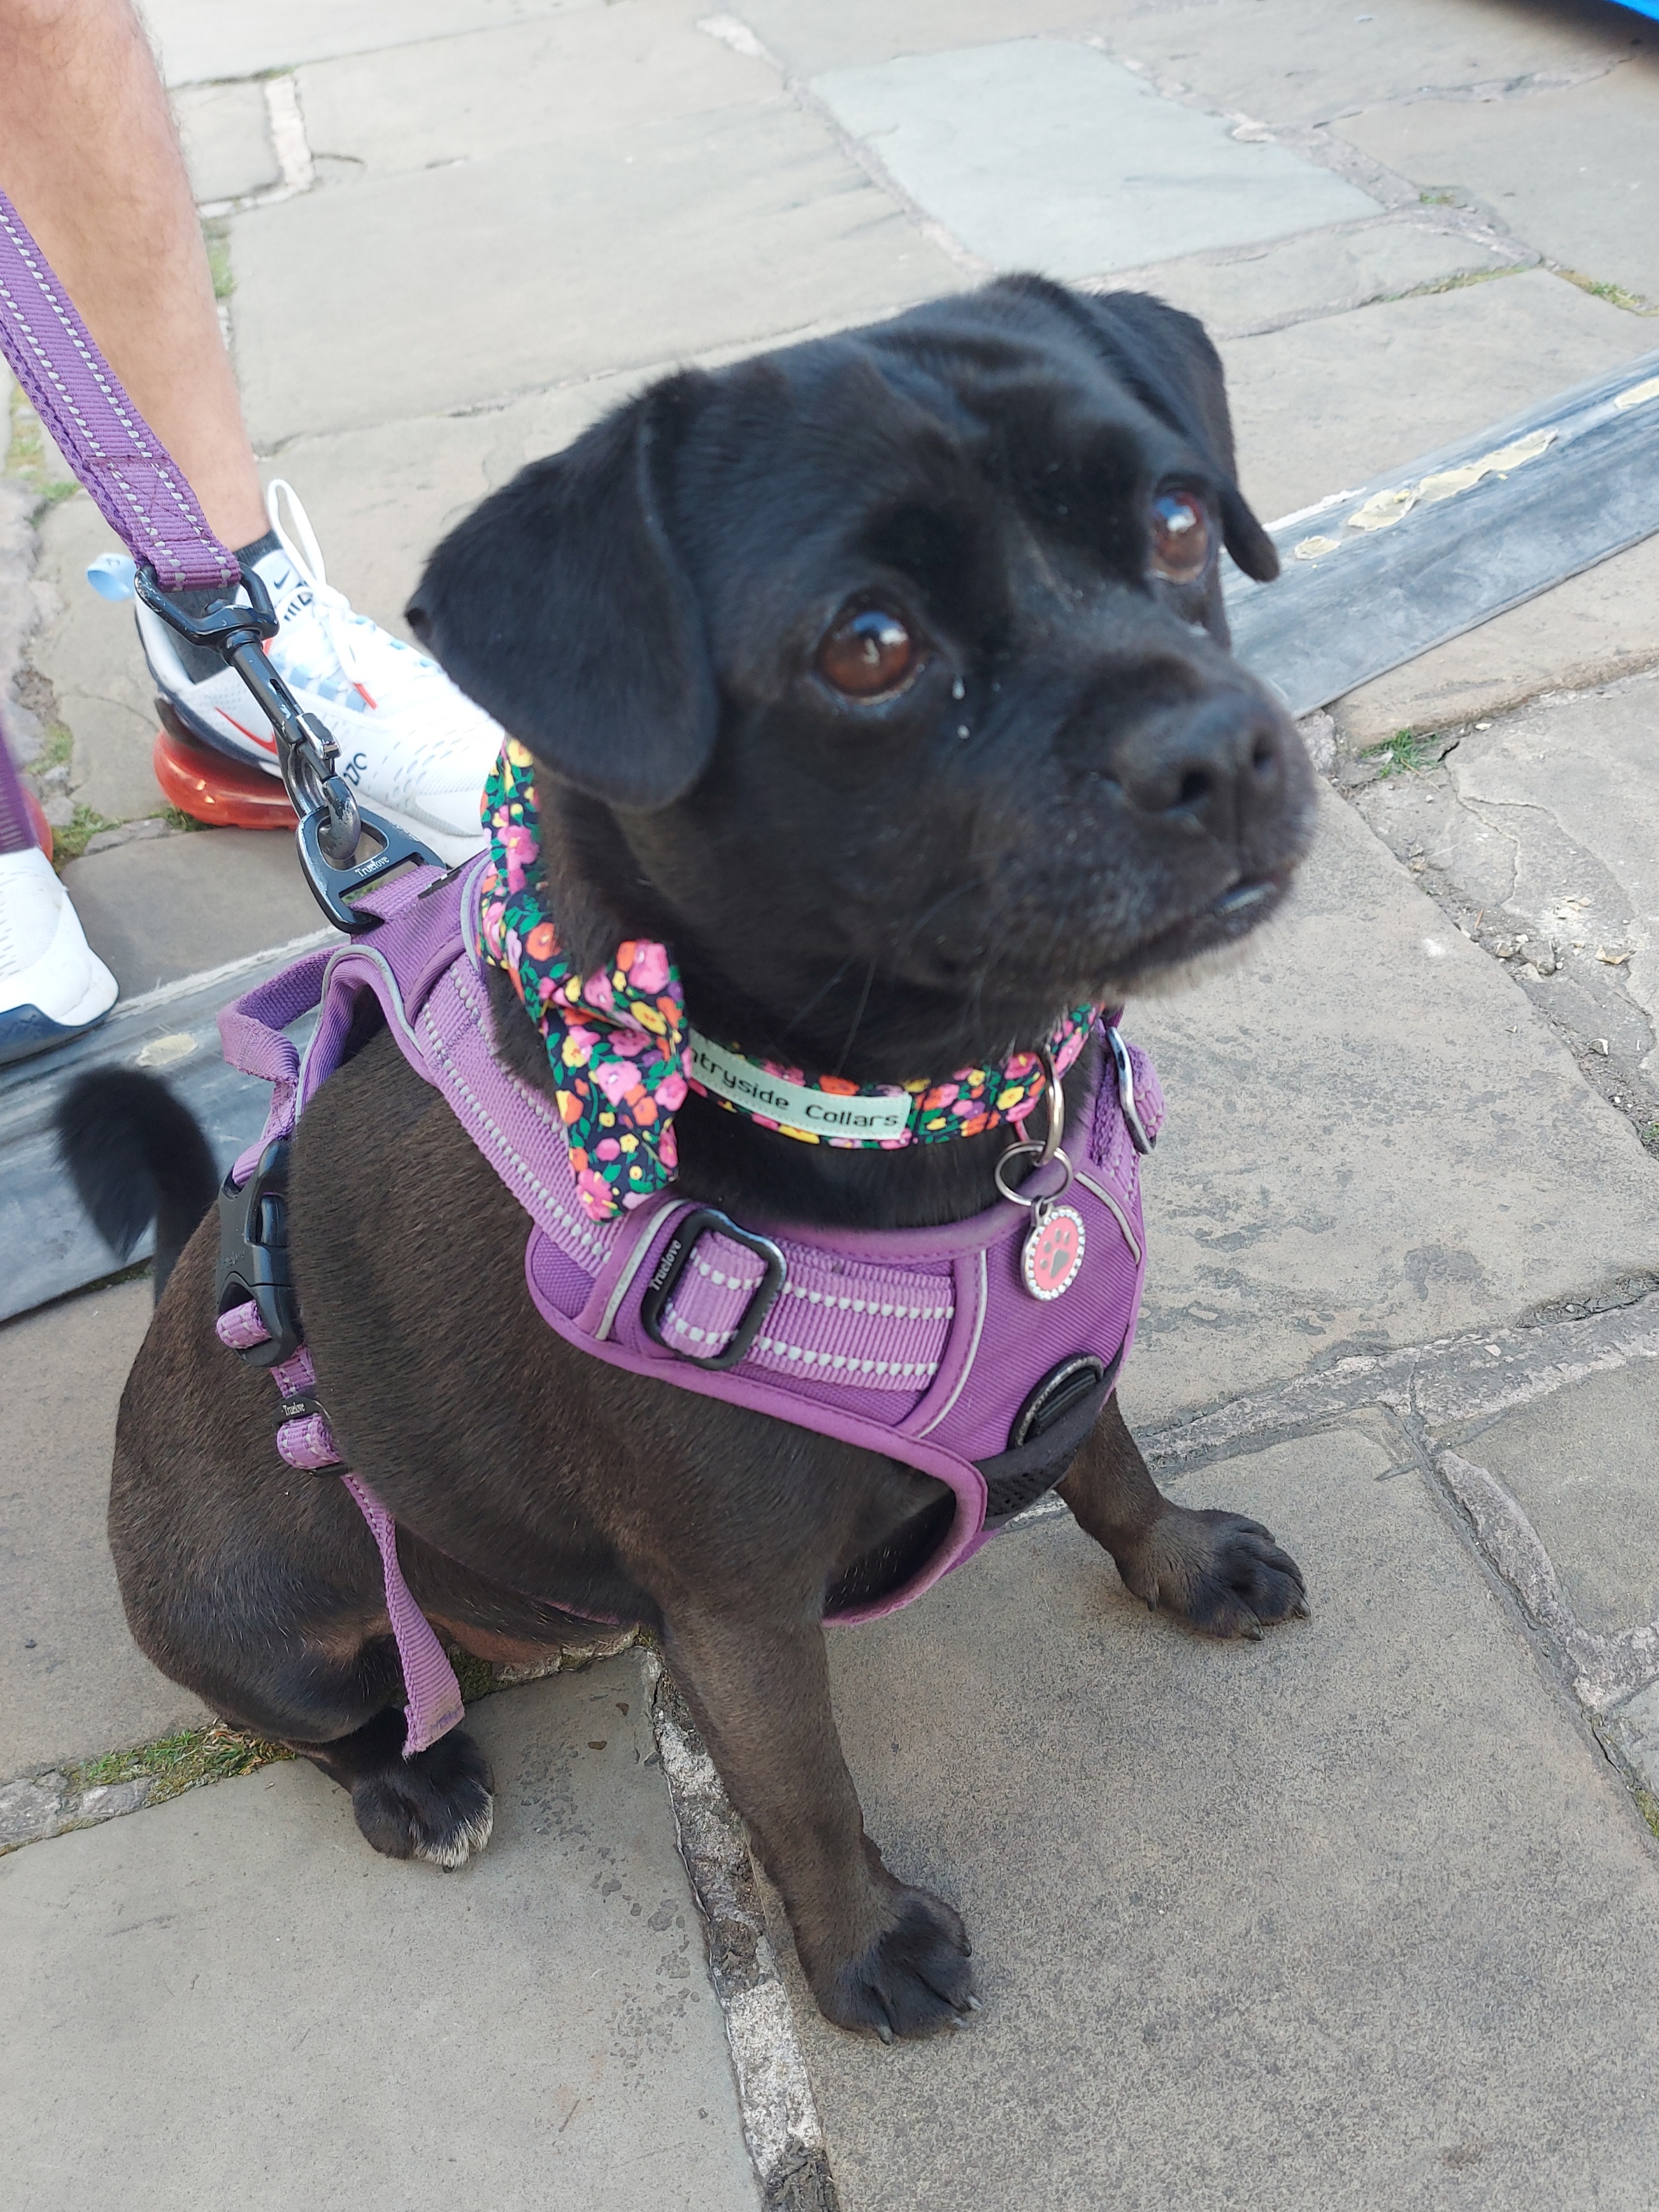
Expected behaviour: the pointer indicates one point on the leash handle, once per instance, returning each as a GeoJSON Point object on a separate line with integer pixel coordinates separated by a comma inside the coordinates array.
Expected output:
{"type": "Point", "coordinates": [142, 494]}
{"type": "Point", "coordinates": [133, 479]}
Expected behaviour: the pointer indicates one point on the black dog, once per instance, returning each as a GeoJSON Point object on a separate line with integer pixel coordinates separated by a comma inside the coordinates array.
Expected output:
{"type": "Point", "coordinates": [885, 680]}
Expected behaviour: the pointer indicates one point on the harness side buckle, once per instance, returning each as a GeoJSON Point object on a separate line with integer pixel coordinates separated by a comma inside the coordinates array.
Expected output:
{"type": "Point", "coordinates": [677, 1256]}
{"type": "Point", "coordinates": [253, 1263]}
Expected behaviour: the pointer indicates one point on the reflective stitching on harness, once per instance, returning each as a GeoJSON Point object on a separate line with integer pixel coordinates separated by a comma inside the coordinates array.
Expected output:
{"type": "Point", "coordinates": [888, 1312]}
{"type": "Point", "coordinates": [440, 1053]}
{"type": "Point", "coordinates": [838, 1361]}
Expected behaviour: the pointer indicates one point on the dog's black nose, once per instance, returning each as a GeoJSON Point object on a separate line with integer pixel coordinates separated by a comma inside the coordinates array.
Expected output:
{"type": "Point", "coordinates": [1220, 765]}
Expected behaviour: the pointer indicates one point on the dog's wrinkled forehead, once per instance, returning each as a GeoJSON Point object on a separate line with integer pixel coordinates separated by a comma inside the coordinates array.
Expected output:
{"type": "Point", "coordinates": [933, 454]}
{"type": "Point", "coordinates": [612, 603]}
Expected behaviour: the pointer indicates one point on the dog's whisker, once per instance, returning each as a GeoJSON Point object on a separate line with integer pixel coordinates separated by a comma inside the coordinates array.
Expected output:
{"type": "Point", "coordinates": [864, 1000]}
{"type": "Point", "coordinates": [823, 991]}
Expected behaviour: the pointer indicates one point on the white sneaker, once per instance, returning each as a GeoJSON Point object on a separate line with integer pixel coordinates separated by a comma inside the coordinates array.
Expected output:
{"type": "Point", "coordinates": [52, 984]}
{"type": "Point", "coordinates": [411, 745]}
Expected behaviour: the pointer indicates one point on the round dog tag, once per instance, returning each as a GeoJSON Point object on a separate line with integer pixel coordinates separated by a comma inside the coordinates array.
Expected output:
{"type": "Point", "coordinates": [1052, 1252]}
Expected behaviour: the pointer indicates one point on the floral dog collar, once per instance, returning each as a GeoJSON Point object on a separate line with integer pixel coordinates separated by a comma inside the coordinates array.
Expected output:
{"type": "Point", "coordinates": [623, 1056]}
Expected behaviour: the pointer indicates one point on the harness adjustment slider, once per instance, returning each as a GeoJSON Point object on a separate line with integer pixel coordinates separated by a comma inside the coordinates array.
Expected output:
{"type": "Point", "coordinates": [675, 1258]}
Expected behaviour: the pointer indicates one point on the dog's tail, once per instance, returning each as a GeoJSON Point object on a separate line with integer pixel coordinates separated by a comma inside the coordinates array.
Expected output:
{"type": "Point", "coordinates": [135, 1156]}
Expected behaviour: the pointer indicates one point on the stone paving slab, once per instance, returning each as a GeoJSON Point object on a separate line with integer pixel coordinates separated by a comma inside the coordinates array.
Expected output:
{"type": "Point", "coordinates": [1583, 1466]}
{"type": "Point", "coordinates": [474, 94]}
{"type": "Point", "coordinates": [231, 1998]}
{"type": "Point", "coordinates": [213, 40]}
{"type": "Point", "coordinates": [1571, 170]}
{"type": "Point", "coordinates": [1301, 62]}
{"type": "Point", "coordinates": [73, 1683]}
{"type": "Point", "coordinates": [87, 650]}
{"type": "Point", "coordinates": [747, 224]}
{"type": "Point", "coordinates": [1544, 826]}
{"type": "Point", "coordinates": [1042, 152]}
{"type": "Point", "coordinates": [1600, 625]}
{"type": "Point", "coordinates": [157, 909]}
{"type": "Point", "coordinates": [1246, 290]}
{"type": "Point", "coordinates": [226, 135]}
{"type": "Point", "coordinates": [855, 33]}
{"type": "Point", "coordinates": [1330, 403]}
{"type": "Point", "coordinates": [1357, 1916]}
{"type": "Point", "coordinates": [1373, 1140]}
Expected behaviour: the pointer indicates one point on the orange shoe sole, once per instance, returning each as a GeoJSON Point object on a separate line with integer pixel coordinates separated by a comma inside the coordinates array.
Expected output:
{"type": "Point", "coordinates": [216, 792]}
{"type": "Point", "coordinates": [38, 823]}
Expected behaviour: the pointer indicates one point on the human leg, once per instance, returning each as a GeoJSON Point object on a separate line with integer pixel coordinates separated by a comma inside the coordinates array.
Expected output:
{"type": "Point", "coordinates": [90, 157]}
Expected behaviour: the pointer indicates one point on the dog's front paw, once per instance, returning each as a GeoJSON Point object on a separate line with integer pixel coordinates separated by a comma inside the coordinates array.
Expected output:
{"type": "Point", "coordinates": [436, 1806]}
{"type": "Point", "coordinates": [912, 1978]}
{"type": "Point", "coordinates": [1223, 1574]}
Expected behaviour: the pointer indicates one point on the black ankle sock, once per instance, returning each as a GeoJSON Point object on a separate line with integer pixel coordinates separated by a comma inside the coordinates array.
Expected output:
{"type": "Point", "coordinates": [257, 550]}
{"type": "Point", "coordinates": [201, 662]}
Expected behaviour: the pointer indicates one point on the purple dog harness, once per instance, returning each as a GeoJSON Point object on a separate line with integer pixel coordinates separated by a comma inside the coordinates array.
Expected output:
{"type": "Point", "coordinates": [949, 1349]}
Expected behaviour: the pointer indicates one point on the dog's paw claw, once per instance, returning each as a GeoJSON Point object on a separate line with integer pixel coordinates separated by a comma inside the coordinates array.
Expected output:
{"type": "Point", "coordinates": [913, 1979]}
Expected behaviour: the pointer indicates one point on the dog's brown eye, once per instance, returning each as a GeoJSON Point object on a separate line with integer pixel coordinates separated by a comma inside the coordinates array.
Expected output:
{"type": "Point", "coordinates": [1180, 536]}
{"type": "Point", "coordinates": [867, 655]}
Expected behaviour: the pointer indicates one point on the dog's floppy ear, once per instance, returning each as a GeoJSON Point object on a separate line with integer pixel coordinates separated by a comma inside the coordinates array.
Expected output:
{"type": "Point", "coordinates": [1166, 358]}
{"type": "Point", "coordinates": [561, 605]}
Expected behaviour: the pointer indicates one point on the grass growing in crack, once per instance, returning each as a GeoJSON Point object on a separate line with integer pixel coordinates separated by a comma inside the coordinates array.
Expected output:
{"type": "Point", "coordinates": [69, 843]}
{"type": "Point", "coordinates": [1615, 295]}
{"type": "Point", "coordinates": [181, 1762]}
{"type": "Point", "coordinates": [1458, 283]}
{"type": "Point", "coordinates": [30, 457]}
{"type": "Point", "coordinates": [176, 818]}
{"type": "Point", "coordinates": [1647, 1806]}
{"type": "Point", "coordinates": [1404, 752]}
{"type": "Point", "coordinates": [59, 750]}
{"type": "Point", "coordinates": [215, 236]}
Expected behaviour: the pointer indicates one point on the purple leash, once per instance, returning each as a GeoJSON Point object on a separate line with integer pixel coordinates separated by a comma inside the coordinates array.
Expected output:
{"type": "Point", "coordinates": [142, 492]}
{"type": "Point", "coordinates": [135, 481]}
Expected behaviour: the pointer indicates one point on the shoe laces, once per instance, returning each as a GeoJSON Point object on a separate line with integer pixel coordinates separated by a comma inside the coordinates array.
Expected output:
{"type": "Point", "coordinates": [343, 627]}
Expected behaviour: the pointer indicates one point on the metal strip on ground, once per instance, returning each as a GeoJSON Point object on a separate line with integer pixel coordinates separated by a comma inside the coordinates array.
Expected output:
{"type": "Point", "coordinates": [1376, 577]}
{"type": "Point", "coordinates": [47, 1246]}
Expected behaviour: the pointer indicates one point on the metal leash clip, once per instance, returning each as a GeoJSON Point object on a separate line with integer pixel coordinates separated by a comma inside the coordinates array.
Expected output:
{"type": "Point", "coordinates": [331, 823]}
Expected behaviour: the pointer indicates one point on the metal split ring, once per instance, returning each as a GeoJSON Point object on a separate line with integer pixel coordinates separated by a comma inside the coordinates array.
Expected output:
{"type": "Point", "coordinates": [1041, 1204]}
{"type": "Point", "coordinates": [1041, 1154]}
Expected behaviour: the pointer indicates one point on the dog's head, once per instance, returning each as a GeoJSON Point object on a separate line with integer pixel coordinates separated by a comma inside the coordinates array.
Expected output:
{"type": "Point", "coordinates": [886, 677]}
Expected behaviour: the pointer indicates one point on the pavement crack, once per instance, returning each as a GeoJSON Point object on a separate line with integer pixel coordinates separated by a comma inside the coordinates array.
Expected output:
{"type": "Point", "coordinates": [776, 2104]}
{"type": "Point", "coordinates": [1606, 1669]}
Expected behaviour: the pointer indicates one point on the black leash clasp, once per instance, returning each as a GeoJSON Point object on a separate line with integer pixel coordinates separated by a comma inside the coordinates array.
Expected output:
{"type": "Point", "coordinates": [253, 1264]}
{"type": "Point", "coordinates": [331, 824]}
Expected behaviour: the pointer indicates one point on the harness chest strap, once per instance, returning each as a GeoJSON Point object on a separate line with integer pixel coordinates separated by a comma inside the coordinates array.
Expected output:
{"type": "Point", "coordinates": [874, 1339]}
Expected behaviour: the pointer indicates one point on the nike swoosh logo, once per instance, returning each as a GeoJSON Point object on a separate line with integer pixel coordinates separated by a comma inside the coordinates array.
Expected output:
{"type": "Point", "coordinates": [265, 745]}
